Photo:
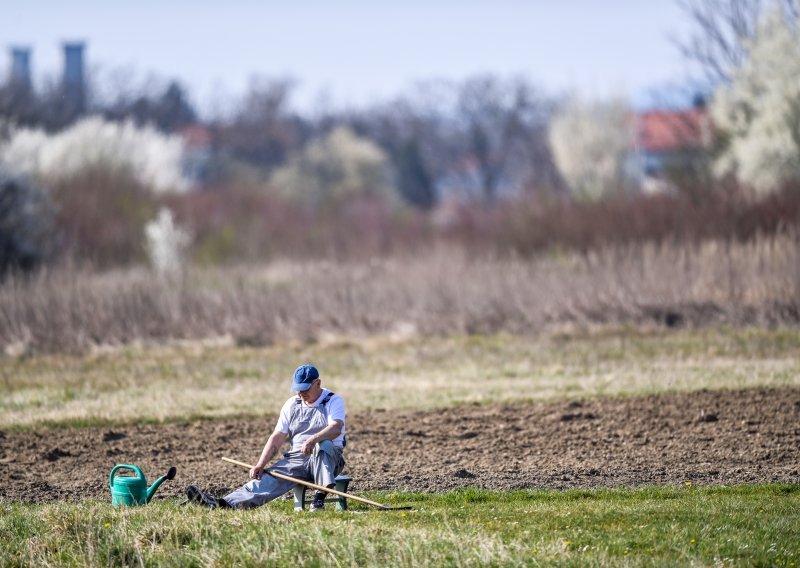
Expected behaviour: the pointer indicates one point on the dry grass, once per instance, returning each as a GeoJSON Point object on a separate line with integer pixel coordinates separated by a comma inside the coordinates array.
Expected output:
{"type": "Point", "coordinates": [200, 379]}
{"type": "Point", "coordinates": [441, 293]}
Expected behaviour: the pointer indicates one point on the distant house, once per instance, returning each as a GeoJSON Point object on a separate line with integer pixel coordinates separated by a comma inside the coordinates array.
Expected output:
{"type": "Point", "coordinates": [669, 141]}
{"type": "Point", "coordinates": [197, 142]}
{"type": "Point", "coordinates": [463, 182]}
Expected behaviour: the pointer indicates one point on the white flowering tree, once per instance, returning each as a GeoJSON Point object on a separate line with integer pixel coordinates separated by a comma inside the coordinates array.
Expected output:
{"type": "Point", "coordinates": [335, 167]}
{"type": "Point", "coordinates": [591, 143]}
{"type": "Point", "coordinates": [758, 112]}
{"type": "Point", "coordinates": [153, 158]}
{"type": "Point", "coordinates": [166, 243]}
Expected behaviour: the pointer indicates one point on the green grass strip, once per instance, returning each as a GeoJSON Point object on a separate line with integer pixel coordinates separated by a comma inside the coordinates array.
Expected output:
{"type": "Point", "coordinates": [687, 525]}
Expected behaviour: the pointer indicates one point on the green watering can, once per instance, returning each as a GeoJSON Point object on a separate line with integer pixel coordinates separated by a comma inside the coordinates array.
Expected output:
{"type": "Point", "coordinates": [132, 490]}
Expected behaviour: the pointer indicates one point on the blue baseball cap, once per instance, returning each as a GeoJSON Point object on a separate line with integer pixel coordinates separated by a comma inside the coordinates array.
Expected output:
{"type": "Point", "coordinates": [304, 375]}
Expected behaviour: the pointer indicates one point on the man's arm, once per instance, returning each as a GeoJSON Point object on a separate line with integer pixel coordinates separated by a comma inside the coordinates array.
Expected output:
{"type": "Point", "coordinates": [330, 432]}
{"type": "Point", "coordinates": [274, 443]}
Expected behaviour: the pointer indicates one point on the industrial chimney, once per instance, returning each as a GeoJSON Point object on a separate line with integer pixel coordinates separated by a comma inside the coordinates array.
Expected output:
{"type": "Point", "coordinates": [74, 81]}
{"type": "Point", "coordinates": [20, 75]}
{"type": "Point", "coordinates": [73, 63]}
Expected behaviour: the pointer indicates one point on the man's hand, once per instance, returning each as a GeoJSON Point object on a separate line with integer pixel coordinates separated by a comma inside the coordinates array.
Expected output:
{"type": "Point", "coordinates": [330, 432]}
{"type": "Point", "coordinates": [276, 440]}
{"type": "Point", "coordinates": [308, 446]}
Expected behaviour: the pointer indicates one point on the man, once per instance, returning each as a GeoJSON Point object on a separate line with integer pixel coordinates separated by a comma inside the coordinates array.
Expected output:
{"type": "Point", "coordinates": [313, 422]}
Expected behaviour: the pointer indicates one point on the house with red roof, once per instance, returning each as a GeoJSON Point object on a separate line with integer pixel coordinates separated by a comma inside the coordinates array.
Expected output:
{"type": "Point", "coordinates": [197, 142]}
{"type": "Point", "coordinates": [669, 141]}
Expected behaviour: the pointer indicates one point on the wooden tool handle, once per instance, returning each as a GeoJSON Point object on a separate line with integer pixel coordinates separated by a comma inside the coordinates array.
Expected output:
{"type": "Point", "coordinates": [309, 484]}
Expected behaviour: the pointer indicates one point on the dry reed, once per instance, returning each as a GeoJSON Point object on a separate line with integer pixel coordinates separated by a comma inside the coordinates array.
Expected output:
{"type": "Point", "coordinates": [443, 292]}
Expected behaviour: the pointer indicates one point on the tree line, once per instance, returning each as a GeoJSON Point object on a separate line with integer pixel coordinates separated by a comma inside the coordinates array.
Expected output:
{"type": "Point", "coordinates": [481, 143]}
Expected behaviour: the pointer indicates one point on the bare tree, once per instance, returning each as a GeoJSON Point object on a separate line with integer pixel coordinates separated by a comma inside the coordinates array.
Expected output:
{"type": "Point", "coordinates": [18, 105]}
{"type": "Point", "coordinates": [411, 131]}
{"type": "Point", "coordinates": [49, 108]}
{"type": "Point", "coordinates": [504, 128]}
{"type": "Point", "coordinates": [480, 137]}
{"type": "Point", "coordinates": [720, 31]}
{"type": "Point", "coordinates": [169, 110]}
{"type": "Point", "coordinates": [263, 131]}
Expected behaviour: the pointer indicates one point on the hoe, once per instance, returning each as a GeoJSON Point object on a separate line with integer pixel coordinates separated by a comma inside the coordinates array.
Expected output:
{"type": "Point", "coordinates": [320, 487]}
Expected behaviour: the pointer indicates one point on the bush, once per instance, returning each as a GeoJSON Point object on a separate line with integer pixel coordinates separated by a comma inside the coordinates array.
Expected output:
{"type": "Point", "coordinates": [759, 112]}
{"type": "Point", "coordinates": [166, 243]}
{"type": "Point", "coordinates": [26, 223]}
{"type": "Point", "coordinates": [101, 215]}
{"type": "Point", "coordinates": [154, 159]}
{"type": "Point", "coordinates": [335, 168]}
{"type": "Point", "coordinates": [590, 145]}
{"type": "Point", "coordinates": [249, 223]}
{"type": "Point", "coordinates": [530, 227]}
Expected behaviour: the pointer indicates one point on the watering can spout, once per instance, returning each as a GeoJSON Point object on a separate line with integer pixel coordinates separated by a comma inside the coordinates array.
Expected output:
{"type": "Point", "coordinates": [153, 488]}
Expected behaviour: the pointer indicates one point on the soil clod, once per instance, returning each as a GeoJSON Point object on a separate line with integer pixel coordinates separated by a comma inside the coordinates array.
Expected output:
{"type": "Point", "coordinates": [569, 416]}
{"type": "Point", "coordinates": [464, 474]}
{"type": "Point", "coordinates": [55, 455]}
{"type": "Point", "coordinates": [707, 417]}
{"type": "Point", "coordinates": [112, 436]}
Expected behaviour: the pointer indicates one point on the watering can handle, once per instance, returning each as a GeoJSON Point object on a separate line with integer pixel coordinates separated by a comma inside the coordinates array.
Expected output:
{"type": "Point", "coordinates": [135, 468]}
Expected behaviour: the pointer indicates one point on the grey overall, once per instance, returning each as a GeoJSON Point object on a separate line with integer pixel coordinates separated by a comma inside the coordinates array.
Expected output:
{"type": "Point", "coordinates": [321, 467]}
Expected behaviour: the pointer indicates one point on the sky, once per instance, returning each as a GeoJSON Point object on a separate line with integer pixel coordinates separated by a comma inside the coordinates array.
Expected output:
{"type": "Point", "coordinates": [350, 53]}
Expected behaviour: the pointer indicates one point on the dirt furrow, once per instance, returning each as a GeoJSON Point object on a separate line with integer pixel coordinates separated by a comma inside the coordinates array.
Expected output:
{"type": "Point", "coordinates": [706, 437]}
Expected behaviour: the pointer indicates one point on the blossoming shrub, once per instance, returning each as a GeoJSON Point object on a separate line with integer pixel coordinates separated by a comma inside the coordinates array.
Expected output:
{"type": "Point", "coordinates": [104, 179]}
{"type": "Point", "coordinates": [166, 243]}
{"type": "Point", "coordinates": [591, 142]}
{"type": "Point", "coordinates": [334, 168]}
{"type": "Point", "coordinates": [759, 112]}
{"type": "Point", "coordinates": [152, 158]}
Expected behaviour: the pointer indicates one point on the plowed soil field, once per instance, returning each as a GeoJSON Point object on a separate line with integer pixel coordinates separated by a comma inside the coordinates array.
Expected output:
{"type": "Point", "coordinates": [707, 437]}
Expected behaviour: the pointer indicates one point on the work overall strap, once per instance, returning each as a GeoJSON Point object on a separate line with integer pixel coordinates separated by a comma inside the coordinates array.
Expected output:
{"type": "Point", "coordinates": [298, 401]}
{"type": "Point", "coordinates": [298, 407]}
{"type": "Point", "coordinates": [325, 400]}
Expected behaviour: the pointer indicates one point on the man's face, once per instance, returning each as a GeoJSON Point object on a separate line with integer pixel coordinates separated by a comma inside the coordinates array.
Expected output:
{"type": "Point", "coordinates": [312, 393]}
